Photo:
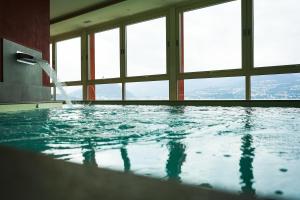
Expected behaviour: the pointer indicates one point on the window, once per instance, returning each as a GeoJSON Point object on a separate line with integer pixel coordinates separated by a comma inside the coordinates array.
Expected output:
{"type": "Point", "coordinates": [73, 92]}
{"type": "Point", "coordinates": [50, 59]}
{"type": "Point", "coordinates": [276, 32]}
{"type": "Point", "coordinates": [146, 48]}
{"type": "Point", "coordinates": [50, 51]}
{"type": "Point", "coordinates": [280, 86]}
{"type": "Point", "coordinates": [151, 90]}
{"type": "Point", "coordinates": [69, 60]}
{"type": "Point", "coordinates": [212, 38]}
{"type": "Point", "coordinates": [109, 91]}
{"type": "Point", "coordinates": [107, 54]}
{"type": "Point", "coordinates": [52, 93]}
{"type": "Point", "coordinates": [215, 88]}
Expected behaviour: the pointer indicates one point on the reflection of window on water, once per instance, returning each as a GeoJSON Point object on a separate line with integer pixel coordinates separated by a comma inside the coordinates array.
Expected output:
{"type": "Point", "coordinates": [89, 154]}
{"type": "Point", "coordinates": [247, 157]}
{"type": "Point", "coordinates": [246, 166]}
{"type": "Point", "coordinates": [176, 159]}
{"type": "Point", "coordinates": [125, 158]}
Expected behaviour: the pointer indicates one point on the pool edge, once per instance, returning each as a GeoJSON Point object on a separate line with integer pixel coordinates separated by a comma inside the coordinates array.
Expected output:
{"type": "Point", "coordinates": [25, 106]}
{"type": "Point", "coordinates": [222, 103]}
{"type": "Point", "coordinates": [27, 175]}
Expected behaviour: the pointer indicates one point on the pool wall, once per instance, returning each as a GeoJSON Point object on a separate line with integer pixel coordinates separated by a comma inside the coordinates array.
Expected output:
{"type": "Point", "coordinates": [27, 175]}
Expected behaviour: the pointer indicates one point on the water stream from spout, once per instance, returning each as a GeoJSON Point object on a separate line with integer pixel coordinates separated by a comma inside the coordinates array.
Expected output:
{"type": "Point", "coordinates": [52, 74]}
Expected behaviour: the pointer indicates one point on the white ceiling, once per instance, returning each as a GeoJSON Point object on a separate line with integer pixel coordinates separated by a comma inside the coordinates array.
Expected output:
{"type": "Point", "coordinates": [121, 9]}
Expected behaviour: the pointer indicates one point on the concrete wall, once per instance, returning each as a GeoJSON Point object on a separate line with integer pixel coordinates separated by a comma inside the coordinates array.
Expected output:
{"type": "Point", "coordinates": [27, 23]}
{"type": "Point", "coordinates": [21, 82]}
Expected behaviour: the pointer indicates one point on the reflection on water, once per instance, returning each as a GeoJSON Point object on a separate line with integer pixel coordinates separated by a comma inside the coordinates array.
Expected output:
{"type": "Point", "coordinates": [177, 155]}
{"type": "Point", "coordinates": [226, 148]}
{"type": "Point", "coordinates": [246, 167]}
{"type": "Point", "coordinates": [125, 158]}
{"type": "Point", "coordinates": [176, 159]}
{"type": "Point", "coordinates": [247, 156]}
{"type": "Point", "coordinates": [89, 153]}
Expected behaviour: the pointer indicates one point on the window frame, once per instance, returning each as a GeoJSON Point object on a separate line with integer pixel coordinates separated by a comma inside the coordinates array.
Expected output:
{"type": "Point", "coordinates": [123, 79]}
{"type": "Point", "coordinates": [173, 15]}
{"type": "Point", "coordinates": [54, 41]}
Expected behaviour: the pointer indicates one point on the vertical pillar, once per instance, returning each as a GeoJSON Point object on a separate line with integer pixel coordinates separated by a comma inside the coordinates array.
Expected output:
{"type": "Point", "coordinates": [181, 66]}
{"type": "Point", "coordinates": [247, 44]}
{"type": "Point", "coordinates": [172, 53]}
{"type": "Point", "coordinates": [91, 75]}
{"type": "Point", "coordinates": [123, 59]}
{"type": "Point", "coordinates": [84, 64]}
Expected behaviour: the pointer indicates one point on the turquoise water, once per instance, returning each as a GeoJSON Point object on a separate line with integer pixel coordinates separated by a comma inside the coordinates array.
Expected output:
{"type": "Point", "coordinates": [244, 150]}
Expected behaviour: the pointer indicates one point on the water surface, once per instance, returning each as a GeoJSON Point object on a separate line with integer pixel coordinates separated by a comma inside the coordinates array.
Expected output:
{"type": "Point", "coordinates": [245, 150]}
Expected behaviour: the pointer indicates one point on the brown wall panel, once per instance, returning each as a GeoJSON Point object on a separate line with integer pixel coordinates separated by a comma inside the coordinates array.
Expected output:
{"type": "Point", "coordinates": [27, 23]}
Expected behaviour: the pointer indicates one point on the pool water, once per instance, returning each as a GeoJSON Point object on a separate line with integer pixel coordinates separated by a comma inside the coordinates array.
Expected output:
{"type": "Point", "coordinates": [244, 150]}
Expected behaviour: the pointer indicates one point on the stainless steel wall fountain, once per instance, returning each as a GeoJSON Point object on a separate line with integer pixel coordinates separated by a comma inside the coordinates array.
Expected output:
{"type": "Point", "coordinates": [21, 82]}
{"type": "Point", "coordinates": [25, 58]}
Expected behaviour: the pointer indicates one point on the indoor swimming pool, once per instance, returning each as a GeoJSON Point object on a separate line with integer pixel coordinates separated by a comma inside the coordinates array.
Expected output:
{"type": "Point", "coordinates": [242, 150]}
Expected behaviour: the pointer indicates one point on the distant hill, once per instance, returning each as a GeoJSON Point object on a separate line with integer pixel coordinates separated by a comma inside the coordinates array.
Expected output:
{"type": "Point", "coordinates": [276, 87]}
{"type": "Point", "coordinates": [263, 87]}
{"type": "Point", "coordinates": [103, 92]}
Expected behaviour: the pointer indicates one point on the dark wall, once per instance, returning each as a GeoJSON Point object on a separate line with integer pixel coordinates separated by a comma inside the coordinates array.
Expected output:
{"type": "Point", "coordinates": [26, 22]}
{"type": "Point", "coordinates": [1, 61]}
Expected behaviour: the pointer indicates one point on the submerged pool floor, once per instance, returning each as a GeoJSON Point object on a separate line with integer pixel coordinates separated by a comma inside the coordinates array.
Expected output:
{"type": "Point", "coordinates": [245, 150]}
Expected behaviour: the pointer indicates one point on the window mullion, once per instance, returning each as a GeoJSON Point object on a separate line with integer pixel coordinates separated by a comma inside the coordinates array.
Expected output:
{"type": "Point", "coordinates": [247, 43]}
{"type": "Point", "coordinates": [123, 59]}
{"type": "Point", "coordinates": [84, 64]}
{"type": "Point", "coordinates": [172, 32]}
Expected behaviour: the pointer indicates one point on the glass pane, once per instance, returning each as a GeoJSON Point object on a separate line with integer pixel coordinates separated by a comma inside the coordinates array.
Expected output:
{"type": "Point", "coordinates": [50, 51]}
{"type": "Point", "coordinates": [279, 86]}
{"type": "Point", "coordinates": [215, 88]}
{"type": "Point", "coordinates": [52, 93]}
{"type": "Point", "coordinates": [276, 32]}
{"type": "Point", "coordinates": [107, 54]}
{"type": "Point", "coordinates": [212, 38]}
{"type": "Point", "coordinates": [109, 91]}
{"type": "Point", "coordinates": [146, 48]}
{"type": "Point", "coordinates": [50, 59]}
{"type": "Point", "coordinates": [151, 90]}
{"type": "Point", "coordinates": [73, 92]}
{"type": "Point", "coordinates": [69, 60]}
